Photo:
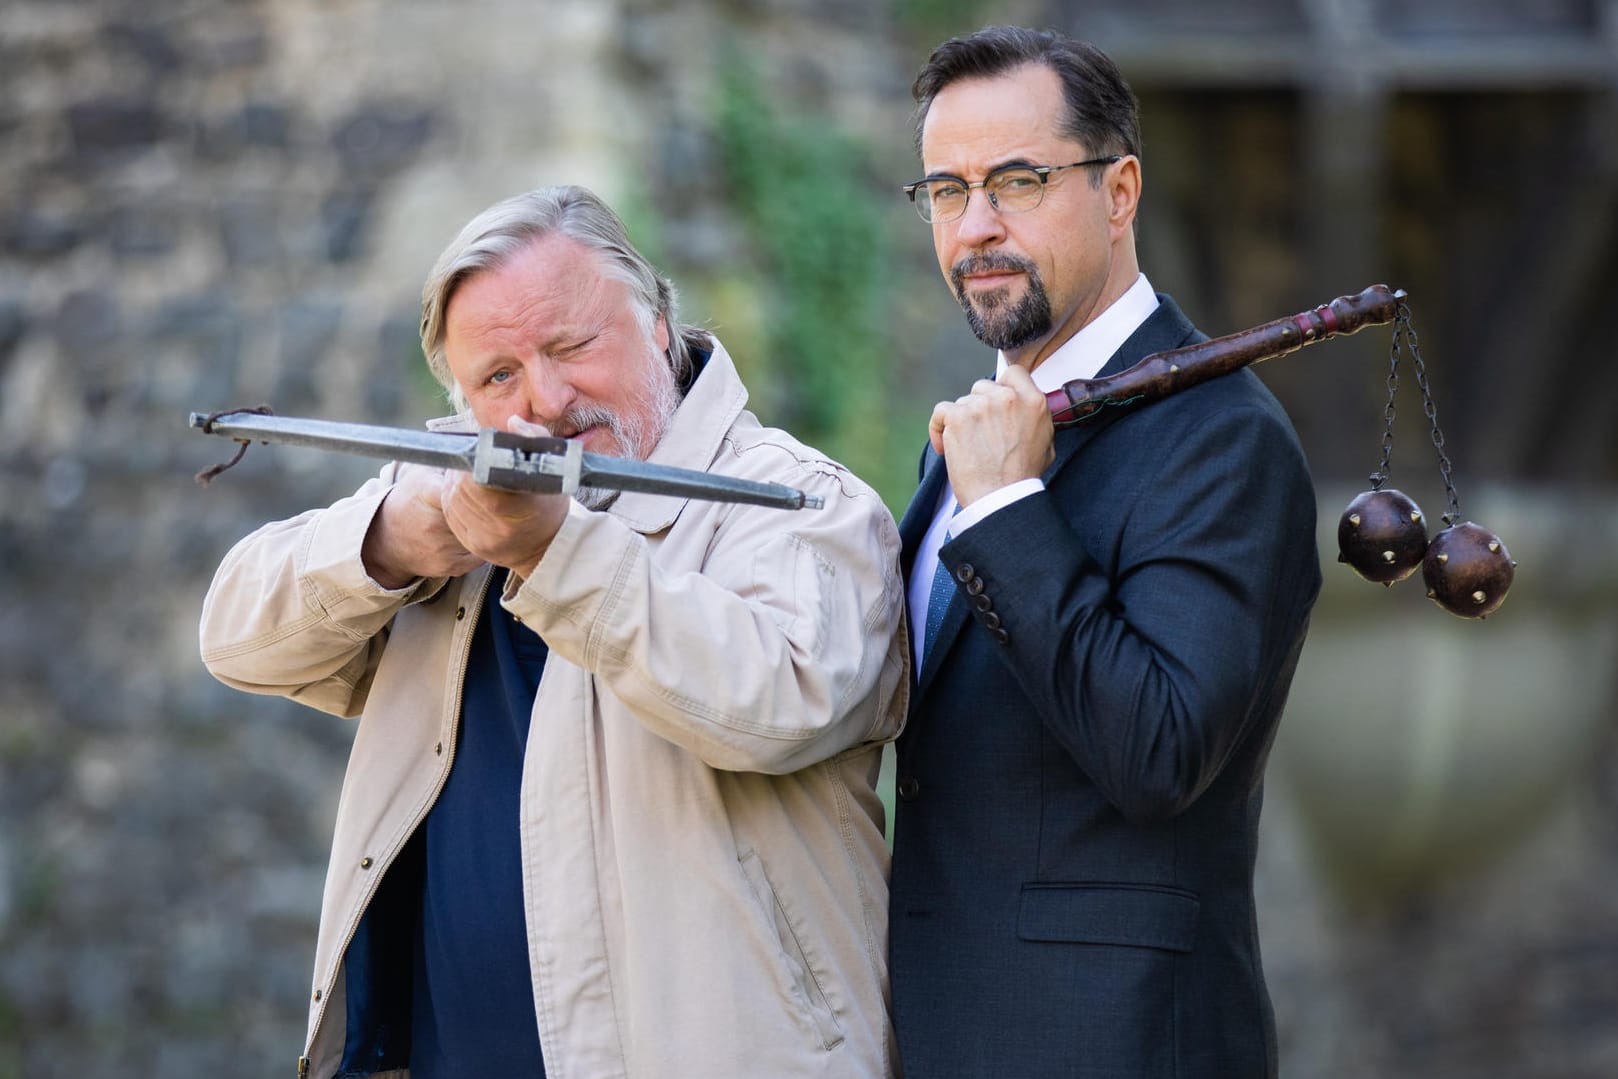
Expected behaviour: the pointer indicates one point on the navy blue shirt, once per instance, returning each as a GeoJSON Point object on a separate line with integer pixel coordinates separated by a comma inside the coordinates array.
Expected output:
{"type": "Point", "coordinates": [472, 1008]}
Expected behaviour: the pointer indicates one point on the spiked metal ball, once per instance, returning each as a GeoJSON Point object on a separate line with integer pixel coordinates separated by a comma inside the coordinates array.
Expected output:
{"type": "Point", "coordinates": [1382, 536]}
{"type": "Point", "coordinates": [1468, 570]}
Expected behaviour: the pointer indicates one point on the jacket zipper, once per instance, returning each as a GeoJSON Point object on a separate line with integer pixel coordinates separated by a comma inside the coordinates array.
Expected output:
{"type": "Point", "coordinates": [474, 609]}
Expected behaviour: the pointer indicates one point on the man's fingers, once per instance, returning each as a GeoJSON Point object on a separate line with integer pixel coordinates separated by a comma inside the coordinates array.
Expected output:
{"type": "Point", "coordinates": [936, 425]}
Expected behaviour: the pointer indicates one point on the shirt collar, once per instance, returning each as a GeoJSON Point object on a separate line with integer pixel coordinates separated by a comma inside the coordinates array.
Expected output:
{"type": "Point", "coordinates": [1087, 352]}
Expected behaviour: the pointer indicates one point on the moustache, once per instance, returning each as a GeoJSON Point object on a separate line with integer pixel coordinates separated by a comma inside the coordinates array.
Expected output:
{"type": "Point", "coordinates": [989, 262]}
{"type": "Point", "coordinates": [577, 419]}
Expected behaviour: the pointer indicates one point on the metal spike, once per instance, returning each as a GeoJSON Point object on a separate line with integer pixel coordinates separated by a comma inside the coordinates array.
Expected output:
{"type": "Point", "coordinates": [1174, 368]}
{"type": "Point", "coordinates": [1354, 519]}
{"type": "Point", "coordinates": [1443, 559]}
{"type": "Point", "coordinates": [1387, 556]}
{"type": "Point", "coordinates": [1387, 584]}
{"type": "Point", "coordinates": [1479, 596]}
{"type": "Point", "coordinates": [1415, 515]}
{"type": "Point", "coordinates": [1432, 595]}
{"type": "Point", "coordinates": [1513, 563]}
{"type": "Point", "coordinates": [1494, 545]}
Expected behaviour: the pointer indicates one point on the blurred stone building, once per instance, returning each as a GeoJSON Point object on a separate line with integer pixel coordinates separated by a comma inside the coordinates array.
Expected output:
{"type": "Point", "coordinates": [211, 203]}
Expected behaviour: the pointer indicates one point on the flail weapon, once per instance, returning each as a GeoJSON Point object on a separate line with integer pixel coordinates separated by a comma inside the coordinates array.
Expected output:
{"type": "Point", "coordinates": [1382, 534]}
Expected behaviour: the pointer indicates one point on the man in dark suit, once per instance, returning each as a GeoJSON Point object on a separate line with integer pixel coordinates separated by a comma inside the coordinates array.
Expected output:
{"type": "Point", "coordinates": [1106, 620]}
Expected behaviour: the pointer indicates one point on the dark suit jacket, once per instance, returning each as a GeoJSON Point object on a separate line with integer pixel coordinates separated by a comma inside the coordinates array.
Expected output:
{"type": "Point", "coordinates": [1080, 779]}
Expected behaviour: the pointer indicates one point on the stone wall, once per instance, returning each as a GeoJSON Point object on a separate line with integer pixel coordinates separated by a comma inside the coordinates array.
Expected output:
{"type": "Point", "coordinates": [211, 203]}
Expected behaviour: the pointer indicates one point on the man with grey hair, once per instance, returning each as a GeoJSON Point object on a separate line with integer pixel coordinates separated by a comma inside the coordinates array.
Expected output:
{"type": "Point", "coordinates": [610, 806]}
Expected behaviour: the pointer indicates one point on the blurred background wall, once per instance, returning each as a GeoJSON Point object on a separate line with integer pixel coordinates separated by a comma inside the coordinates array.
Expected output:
{"type": "Point", "coordinates": [213, 203]}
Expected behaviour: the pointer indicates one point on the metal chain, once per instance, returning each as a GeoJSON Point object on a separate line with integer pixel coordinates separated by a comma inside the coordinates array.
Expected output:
{"type": "Point", "coordinates": [1444, 468]}
{"type": "Point", "coordinates": [1380, 476]}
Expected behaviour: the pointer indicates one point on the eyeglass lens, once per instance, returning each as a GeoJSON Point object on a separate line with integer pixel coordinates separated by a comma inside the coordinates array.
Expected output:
{"type": "Point", "coordinates": [1012, 191]}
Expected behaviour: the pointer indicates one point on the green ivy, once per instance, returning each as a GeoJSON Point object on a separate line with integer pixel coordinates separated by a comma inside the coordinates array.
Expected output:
{"type": "Point", "coordinates": [933, 21]}
{"type": "Point", "coordinates": [818, 228]}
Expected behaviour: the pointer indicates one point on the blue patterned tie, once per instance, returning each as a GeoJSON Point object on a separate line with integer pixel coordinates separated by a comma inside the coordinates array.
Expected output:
{"type": "Point", "coordinates": [938, 599]}
{"type": "Point", "coordinates": [937, 604]}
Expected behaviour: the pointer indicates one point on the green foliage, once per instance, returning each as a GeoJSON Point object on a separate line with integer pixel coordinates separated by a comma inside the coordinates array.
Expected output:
{"type": "Point", "coordinates": [642, 224]}
{"type": "Point", "coordinates": [935, 20]}
{"type": "Point", "coordinates": [818, 229]}
{"type": "Point", "coordinates": [793, 181]}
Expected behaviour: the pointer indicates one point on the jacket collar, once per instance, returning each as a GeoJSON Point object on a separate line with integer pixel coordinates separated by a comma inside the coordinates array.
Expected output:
{"type": "Point", "coordinates": [692, 440]}
{"type": "Point", "coordinates": [1165, 328]}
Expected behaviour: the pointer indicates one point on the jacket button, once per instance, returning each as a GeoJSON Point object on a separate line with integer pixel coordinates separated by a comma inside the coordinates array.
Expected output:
{"type": "Point", "coordinates": [1002, 637]}
{"type": "Point", "coordinates": [909, 787]}
{"type": "Point", "coordinates": [982, 603]}
{"type": "Point", "coordinates": [438, 748]}
{"type": "Point", "coordinates": [317, 994]}
{"type": "Point", "coordinates": [460, 613]}
{"type": "Point", "coordinates": [365, 863]}
{"type": "Point", "coordinates": [964, 572]}
{"type": "Point", "coordinates": [991, 620]}
{"type": "Point", "coordinates": [974, 586]}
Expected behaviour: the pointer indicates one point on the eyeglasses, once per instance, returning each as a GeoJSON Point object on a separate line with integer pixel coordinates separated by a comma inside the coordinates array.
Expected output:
{"type": "Point", "coordinates": [1012, 189]}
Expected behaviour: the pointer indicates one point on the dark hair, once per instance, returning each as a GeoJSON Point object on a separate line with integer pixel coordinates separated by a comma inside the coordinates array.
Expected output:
{"type": "Point", "coordinates": [1101, 109]}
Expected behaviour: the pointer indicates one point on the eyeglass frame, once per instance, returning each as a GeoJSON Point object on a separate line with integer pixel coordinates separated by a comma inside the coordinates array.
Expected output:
{"type": "Point", "coordinates": [1042, 171]}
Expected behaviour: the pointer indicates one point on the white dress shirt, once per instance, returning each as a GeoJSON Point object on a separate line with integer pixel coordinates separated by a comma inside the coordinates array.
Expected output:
{"type": "Point", "coordinates": [1080, 356]}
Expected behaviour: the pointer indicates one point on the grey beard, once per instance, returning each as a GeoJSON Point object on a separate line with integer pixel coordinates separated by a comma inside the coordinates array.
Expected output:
{"type": "Point", "coordinates": [1000, 324]}
{"type": "Point", "coordinates": [637, 436]}
{"type": "Point", "coordinates": [595, 498]}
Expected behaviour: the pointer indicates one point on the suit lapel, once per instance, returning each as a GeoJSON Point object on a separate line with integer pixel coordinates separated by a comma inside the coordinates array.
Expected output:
{"type": "Point", "coordinates": [913, 527]}
{"type": "Point", "coordinates": [919, 514]}
{"type": "Point", "coordinates": [918, 517]}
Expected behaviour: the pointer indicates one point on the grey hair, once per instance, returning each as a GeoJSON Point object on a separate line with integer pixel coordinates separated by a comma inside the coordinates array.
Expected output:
{"type": "Point", "coordinates": [491, 238]}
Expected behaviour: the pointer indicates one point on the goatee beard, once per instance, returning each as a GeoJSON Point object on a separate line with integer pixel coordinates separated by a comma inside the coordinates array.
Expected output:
{"type": "Point", "coordinates": [1000, 323]}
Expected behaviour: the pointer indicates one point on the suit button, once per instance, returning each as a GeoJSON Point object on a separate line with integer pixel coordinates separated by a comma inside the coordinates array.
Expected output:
{"type": "Point", "coordinates": [1002, 637]}
{"type": "Point", "coordinates": [982, 603]}
{"type": "Point", "coordinates": [974, 586]}
{"type": "Point", "coordinates": [991, 620]}
{"type": "Point", "coordinates": [964, 572]}
{"type": "Point", "coordinates": [909, 787]}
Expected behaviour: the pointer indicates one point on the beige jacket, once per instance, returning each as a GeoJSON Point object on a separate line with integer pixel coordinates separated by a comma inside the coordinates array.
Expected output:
{"type": "Point", "coordinates": [703, 853]}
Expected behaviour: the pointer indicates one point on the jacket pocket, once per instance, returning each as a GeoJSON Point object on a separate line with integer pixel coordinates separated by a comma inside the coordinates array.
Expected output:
{"type": "Point", "coordinates": [1133, 915]}
{"type": "Point", "coordinates": [806, 988]}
